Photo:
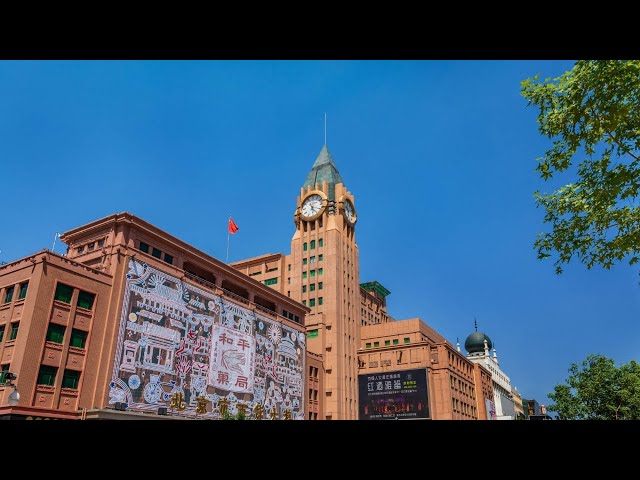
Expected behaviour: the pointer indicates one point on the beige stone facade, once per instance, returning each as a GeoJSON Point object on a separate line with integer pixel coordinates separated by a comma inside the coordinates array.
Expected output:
{"type": "Point", "coordinates": [457, 388]}
{"type": "Point", "coordinates": [63, 318]}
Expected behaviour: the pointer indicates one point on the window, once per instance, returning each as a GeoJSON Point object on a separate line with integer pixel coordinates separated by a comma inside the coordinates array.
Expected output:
{"type": "Point", "coordinates": [387, 343]}
{"type": "Point", "coordinates": [23, 290]}
{"type": "Point", "coordinates": [70, 379]}
{"type": "Point", "coordinates": [312, 260]}
{"type": "Point", "coordinates": [55, 333]}
{"type": "Point", "coordinates": [289, 267]}
{"type": "Point", "coordinates": [296, 318]}
{"type": "Point", "coordinates": [288, 293]}
{"type": "Point", "coordinates": [156, 253]}
{"type": "Point", "coordinates": [304, 289]}
{"type": "Point", "coordinates": [396, 341]}
{"type": "Point", "coordinates": [320, 257]}
{"type": "Point", "coordinates": [91, 246]}
{"type": "Point", "coordinates": [14, 330]}
{"type": "Point", "coordinates": [3, 371]}
{"type": "Point", "coordinates": [254, 274]}
{"type": "Point", "coordinates": [312, 302]}
{"type": "Point", "coordinates": [319, 242]}
{"type": "Point", "coordinates": [78, 338]}
{"type": "Point", "coordinates": [271, 281]}
{"type": "Point", "coordinates": [47, 375]}
{"type": "Point", "coordinates": [101, 243]}
{"type": "Point", "coordinates": [304, 261]}
{"type": "Point", "coordinates": [1, 332]}
{"type": "Point", "coordinates": [85, 300]}
{"type": "Point", "coordinates": [304, 247]}
{"type": "Point", "coordinates": [304, 274]}
{"type": "Point", "coordinates": [312, 334]}
{"type": "Point", "coordinates": [144, 247]}
{"type": "Point", "coordinates": [376, 344]}
{"type": "Point", "coordinates": [79, 250]}
{"type": "Point", "coordinates": [288, 280]}
{"type": "Point", "coordinates": [313, 273]}
{"type": "Point", "coordinates": [319, 300]}
{"type": "Point", "coordinates": [368, 345]}
{"type": "Point", "coordinates": [313, 244]}
{"type": "Point", "coordinates": [63, 293]}
{"type": "Point", "coordinates": [407, 340]}
{"type": "Point", "coordinates": [168, 258]}
{"type": "Point", "coordinates": [284, 312]}
{"type": "Point", "coordinates": [304, 302]}
{"type": "Point", "coordinates": [319, 285]}
{"type": "Point", "coordinates": [319, 271]}
{"type": "Point", "coordinates": [312, 287]}
{"type": "Point", "coordinates": [8, 296]}
{"type": "Point", "coordinates": [273, 269]}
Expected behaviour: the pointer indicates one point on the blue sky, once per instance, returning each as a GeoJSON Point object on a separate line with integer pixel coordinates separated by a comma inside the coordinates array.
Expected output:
{"type": "Point", "coordinates": [440, 156]}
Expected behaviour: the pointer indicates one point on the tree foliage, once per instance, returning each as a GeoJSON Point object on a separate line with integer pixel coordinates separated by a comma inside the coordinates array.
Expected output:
{"type": "Point", "coordinates": [598, 390]}
{"type": "Point", "coordinates": [592, 115]}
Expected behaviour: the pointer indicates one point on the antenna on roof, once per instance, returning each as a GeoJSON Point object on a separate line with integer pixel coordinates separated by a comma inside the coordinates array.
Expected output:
{"type": "Point", "coordinates": [55, 237]}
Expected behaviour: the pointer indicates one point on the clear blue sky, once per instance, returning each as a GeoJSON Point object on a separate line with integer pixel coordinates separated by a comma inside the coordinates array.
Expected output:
{"type": "Point", "coordinates": [439, 155]}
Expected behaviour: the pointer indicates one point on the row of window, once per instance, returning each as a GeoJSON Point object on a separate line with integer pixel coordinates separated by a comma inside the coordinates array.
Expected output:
{"type": "Point", "coordinates": [290, 316]}
{"type": "Point", "coordinates": [22, 293]}
{"type": "Point", "coordinates": [463, 407]}
{"type": "Point", "coordinates": [387, 343]}
{"type": "Point", "coordinates": [312, 245]}
{"type": "Point", "coordinates": [65, 292]}
{"type": "Point", "coordinates": [47, 376]}
{"type": "Point", "coordinates": [312, 260]}
{"type": "Point", "coordinates": [271, 281]}
{"type": "Point", "coordinates": [13, 333]}
{"type": "Point", "coordinates": [3, 371]}
{"type": "Point", "coordinates": [144, 247]}
{"type": "Point", "coordinates": [312, 273]}
{"type": "Point", "coordinates": [312, 302]}
{"type": "Point", "coordinates": [312, 287]}
{"type": "Point", "coordinates": [55, 334]}
{"type": "Point", "coordinates": [90, 246]}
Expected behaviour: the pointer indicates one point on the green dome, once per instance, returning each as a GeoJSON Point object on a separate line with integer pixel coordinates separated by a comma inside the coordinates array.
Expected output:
{"type": "Point", "coordinates": [475, 342]}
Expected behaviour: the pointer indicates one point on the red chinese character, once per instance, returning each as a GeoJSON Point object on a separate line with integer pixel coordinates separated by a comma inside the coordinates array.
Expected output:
{"type": "Point", "coordinates": [223, 338]}
{"type": "Point", "coordinates": [243, 343]}
{"type": "Point", "coordinates": [242, 382]}
{"type": "Point", "coordinates": [223, 377]}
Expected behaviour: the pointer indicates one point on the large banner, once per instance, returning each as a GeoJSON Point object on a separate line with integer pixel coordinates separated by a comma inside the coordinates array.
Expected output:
{"type": "Point", "coordinates": [398, 395]}
{"type": "Point", "coordinates": [200, 355]}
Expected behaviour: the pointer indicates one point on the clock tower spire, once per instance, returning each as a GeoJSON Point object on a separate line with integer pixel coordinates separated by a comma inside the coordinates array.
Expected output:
{"type": "Point", "coordinates": [324, 275]}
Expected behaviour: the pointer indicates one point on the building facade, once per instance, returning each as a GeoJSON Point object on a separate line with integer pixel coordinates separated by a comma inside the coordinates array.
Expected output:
{"type": "Point", "coordinates": [478, 346]}
{"type": "Point", "coordinates": [454, 388]}
{"type": "Point", "coordinates": [322, 272]}
{"type": "Point", "coordinates": [134, 318]}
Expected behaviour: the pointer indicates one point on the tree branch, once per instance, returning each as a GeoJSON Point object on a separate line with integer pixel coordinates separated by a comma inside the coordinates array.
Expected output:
{"type": "Point", "coordinates": [613, 137]}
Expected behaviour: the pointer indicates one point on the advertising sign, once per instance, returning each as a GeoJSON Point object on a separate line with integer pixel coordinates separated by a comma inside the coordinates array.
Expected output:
{"type": "Point", "coordinates": [198, 354]}
{"type": "Point", "coordinates": [398, 395]}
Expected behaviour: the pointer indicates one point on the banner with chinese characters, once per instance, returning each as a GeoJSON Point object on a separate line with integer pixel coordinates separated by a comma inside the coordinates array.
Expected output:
{"type": "Point", "coordinates": [199, 354]}
{"type": "Point", "coordinates": [397, 395]}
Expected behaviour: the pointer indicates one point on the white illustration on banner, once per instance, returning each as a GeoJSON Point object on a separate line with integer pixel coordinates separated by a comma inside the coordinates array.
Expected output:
{"type": "Point", "coordinates": [232, 360]}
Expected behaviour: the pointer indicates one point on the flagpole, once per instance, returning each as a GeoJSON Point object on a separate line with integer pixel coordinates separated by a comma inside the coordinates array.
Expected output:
{"type": "Point", "coordinates": [55, 237]}
{"type": "Point", "coordinates": [228, 237]}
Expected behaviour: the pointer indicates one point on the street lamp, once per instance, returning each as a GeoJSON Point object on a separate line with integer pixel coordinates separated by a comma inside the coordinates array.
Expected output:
{"type": "Point", "coordinates": [14, 398]}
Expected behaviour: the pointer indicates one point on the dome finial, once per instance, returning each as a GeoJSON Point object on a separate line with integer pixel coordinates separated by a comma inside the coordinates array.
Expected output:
{"type": "Point", "coordinates": [475, 323]}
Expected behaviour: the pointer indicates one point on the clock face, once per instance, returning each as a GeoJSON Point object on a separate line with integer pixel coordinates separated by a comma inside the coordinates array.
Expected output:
{"type": "Point", "coordinates": [349, 212]}
{"type": "Point", "coordinates": [312, 206]}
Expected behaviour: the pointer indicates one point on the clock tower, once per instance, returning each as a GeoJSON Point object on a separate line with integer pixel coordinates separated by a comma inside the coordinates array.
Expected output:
{"type": "Point", "coordinates": [323, 274]}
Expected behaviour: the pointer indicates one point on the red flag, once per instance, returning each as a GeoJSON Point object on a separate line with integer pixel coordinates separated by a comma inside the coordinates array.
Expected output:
{"type": "Point", "coordinates": [233, 228]}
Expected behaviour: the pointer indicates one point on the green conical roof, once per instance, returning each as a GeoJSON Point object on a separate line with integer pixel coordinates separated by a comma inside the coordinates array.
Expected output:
{"type": "Point", "coordinates": [324, 170]}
